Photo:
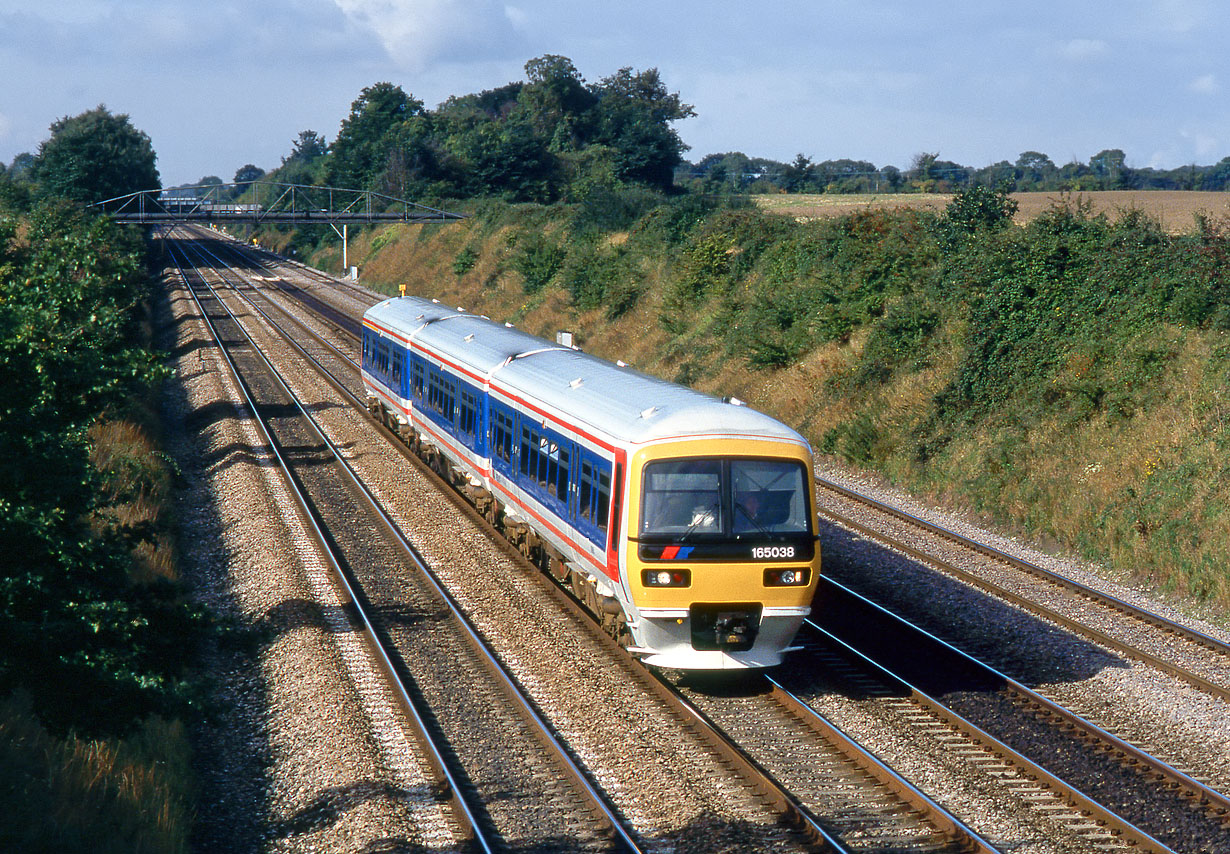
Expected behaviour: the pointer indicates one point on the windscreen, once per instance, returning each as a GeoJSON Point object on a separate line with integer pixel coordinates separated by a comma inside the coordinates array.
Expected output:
{"type": "Point", "coordinates": [682, 496]}
{"type": "Point", "coordinates": [717, 498]}
{"type": "Point", "coordinates": [768, 497]}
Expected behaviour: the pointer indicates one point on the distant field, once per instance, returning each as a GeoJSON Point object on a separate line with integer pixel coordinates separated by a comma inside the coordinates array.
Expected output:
{"type": "Point", "coordinates": [1175, 208]}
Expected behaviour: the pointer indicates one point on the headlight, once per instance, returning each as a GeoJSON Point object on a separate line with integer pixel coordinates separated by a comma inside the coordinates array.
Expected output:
{"type": "Point", "coordinates": [787, 577]}
{"type": "Point", "coordinates": [666, 577]}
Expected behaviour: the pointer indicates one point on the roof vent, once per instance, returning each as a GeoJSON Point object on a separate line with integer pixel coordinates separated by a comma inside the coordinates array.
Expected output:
{"type": "Point", "coordinates": [734, 401]}
{"type": "Point", "coordinates": [577, 382]}
{"type": "Point", "coordinates": [649, 413]}
{"type": "Point", "coordinates": [621, 363]}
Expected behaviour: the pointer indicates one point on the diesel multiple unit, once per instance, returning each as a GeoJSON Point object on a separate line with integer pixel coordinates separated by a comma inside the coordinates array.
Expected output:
{"type": "Point", "coordinates": [685, 523]}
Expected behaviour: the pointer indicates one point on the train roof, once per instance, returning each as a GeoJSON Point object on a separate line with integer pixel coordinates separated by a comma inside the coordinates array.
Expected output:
{"type": "Point", "coordinates": [615, 400]}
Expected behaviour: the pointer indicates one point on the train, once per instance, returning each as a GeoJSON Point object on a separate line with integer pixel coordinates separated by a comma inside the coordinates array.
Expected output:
{"type": "Point", "coordinates": [685, 523]}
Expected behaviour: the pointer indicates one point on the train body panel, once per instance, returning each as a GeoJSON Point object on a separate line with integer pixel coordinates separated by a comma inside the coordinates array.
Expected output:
{"type": "Point", "coordinates": [592, 464]}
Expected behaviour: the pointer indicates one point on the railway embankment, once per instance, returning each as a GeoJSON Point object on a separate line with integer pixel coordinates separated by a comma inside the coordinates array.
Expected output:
{"type": "Point", "coordinates": [1065, 378]}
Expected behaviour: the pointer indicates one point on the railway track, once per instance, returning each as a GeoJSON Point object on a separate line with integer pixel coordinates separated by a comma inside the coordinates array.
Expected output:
{"type": "Point", "coordinates": [1191, 656]}
{"type": "Point", "coordinates": [1068, 633]}
{"type": "Point", "coordinates": [529, 788]}
{"type": "Point", "coordinates": [1113, 792]}
{"type": "Point", "coordinates": [1022, 775]}
{"type": "Point", "coordinates": [854, 802]}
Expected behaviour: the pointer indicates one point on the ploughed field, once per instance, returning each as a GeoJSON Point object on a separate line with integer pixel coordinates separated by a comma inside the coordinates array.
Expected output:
{"type": "Point", "coordinates": [1175, 209]}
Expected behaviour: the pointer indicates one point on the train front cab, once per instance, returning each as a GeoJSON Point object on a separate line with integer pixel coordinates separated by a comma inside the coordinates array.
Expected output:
{"type": "Point", "coordinates": [722, 556]}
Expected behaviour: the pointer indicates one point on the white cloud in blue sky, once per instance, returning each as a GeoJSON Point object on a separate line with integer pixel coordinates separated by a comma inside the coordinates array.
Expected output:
{"type": "Point", "coordinates": [220, 84]}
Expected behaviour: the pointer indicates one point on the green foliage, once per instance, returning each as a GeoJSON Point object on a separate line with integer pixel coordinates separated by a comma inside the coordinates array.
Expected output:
{"type": "Point", "coordinates": [384, 237]}
{"type": "Point", "coordinates": [900, 338]}
{"type": "Point", "coordinates": [548, 138]}
{"type": "Point", "coordinates": [537, 259]}
{"type": "Point", "coordinates": [1071, 289]}
{"type": "Point", "coordinates": [95, 156]}
{"type": "Point", "coordinates": [361, 150]}
{"type": "Point", "coordinates": [605, 209]}
{"type": "Point", "coordinates": [632, 116]}
{"type": "Point", "coordinates": [978, 207]}
{"type": "Point", "coordinates": [854, 441]}
{"type": "Point", "coordinates": [819, 282]}
{"type": "Point", "coordinates": [676, 220]}
{"type": "Point", "coordinates": [93, 650]}
{"type": "Point", "coordinates": [602, 277]}
{"type": "Point", "coordinates": [465, 261]}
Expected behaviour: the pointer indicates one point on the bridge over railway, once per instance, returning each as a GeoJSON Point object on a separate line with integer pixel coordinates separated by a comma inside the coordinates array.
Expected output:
{"type": "Point", "coordinates": [267, 203]}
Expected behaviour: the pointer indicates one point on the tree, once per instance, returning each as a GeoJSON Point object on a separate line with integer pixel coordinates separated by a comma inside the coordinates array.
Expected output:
{"type": "Point", "coordinates": [94, 649]}
{"type": "Point", "coordinates": [308, 148]}
{"type": "Point", "coordinates": [633, 116]}
{"type": "Point", "coordinates": [893, 176]}
{"type": "Point", "coordinates": [361, 150]}
{"type": "Point", "coordinates": [555, 101]}
{"type": "Point", "coordinates": [248, 174]}
{"type": "Point", "coordinates": [95, 156]}
{"type": "Point", "coordinates": [799, 174]}
{"type": "Point", "coordinates": [1216, 177]}
{"type": "Point", "coordinates": [21, 167]}
{"type": "Point", "coordinates": [1035, 169]}
{"type": "Point", "coordinates": [1110, 166]}
{"type": "Point", "coordinates": [845, 176]}
{"type": "Point", "coordinates": [979, 207]}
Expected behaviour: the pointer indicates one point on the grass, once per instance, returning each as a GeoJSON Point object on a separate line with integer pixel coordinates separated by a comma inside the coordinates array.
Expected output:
{"type": "Point", "coordinates": [110, 796]}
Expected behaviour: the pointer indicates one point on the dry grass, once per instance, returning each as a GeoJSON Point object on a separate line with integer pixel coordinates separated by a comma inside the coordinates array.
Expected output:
{"type": "Point", "coordinates": [141, 481]}
{"type": "Point", "coordinates": [107, 796]}
{"type": "Point", "coordinates": [1175, 209]}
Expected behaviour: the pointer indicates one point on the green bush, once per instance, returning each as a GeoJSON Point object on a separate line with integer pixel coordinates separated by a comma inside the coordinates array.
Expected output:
{"type": "Point", "coordinates": [465, 261]}
{"type": "Point", "coordinates": [608, 209]}
{"type": "Point", "coordinates": [94, 650]}
{"type": "Point", "coordinates": [538, 259]}
{"type": "Point", "coordinates": [898, 339]}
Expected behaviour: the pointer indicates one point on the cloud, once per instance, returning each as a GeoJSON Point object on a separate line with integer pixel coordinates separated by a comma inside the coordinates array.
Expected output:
{"type": "Point", "coordinates": [1181, 16]}
{"type": "Point", "coordinates": [416, 33]}
{"type": "Point", "coordinates": [101, 33]}
{"type": "Point", "coordinates": [1203, 143]}
{"type": "Point", "coordinates": [1081, 50]}
{"type": "Point", "coordinates": [1206, 84]}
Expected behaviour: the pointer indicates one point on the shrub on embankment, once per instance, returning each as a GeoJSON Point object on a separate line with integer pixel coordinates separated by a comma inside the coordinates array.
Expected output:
{"type": "Point", "coordinates": [1067, 377]}
{"type": "Point", "coordinates": [94, 633]}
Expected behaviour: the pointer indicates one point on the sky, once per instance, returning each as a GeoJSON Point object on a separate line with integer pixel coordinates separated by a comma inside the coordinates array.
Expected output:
{"type": "Point", "coordinates": [223, 83]}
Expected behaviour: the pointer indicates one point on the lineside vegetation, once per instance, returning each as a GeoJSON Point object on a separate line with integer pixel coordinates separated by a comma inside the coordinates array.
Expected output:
{"type": "Point", "coordinates": [95, 632]}
{"type": "Point", "coordinates": [1067, 377]}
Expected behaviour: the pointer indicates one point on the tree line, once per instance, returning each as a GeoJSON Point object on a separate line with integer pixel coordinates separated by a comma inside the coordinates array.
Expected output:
{"type": "Point", "coordinates": [735, 172]}
{"type": "Point", "coordinates": [550, 137]}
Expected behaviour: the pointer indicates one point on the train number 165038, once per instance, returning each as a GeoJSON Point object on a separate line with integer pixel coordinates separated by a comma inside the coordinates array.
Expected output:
{"type": "Point", "coordinates": [770, 552]}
